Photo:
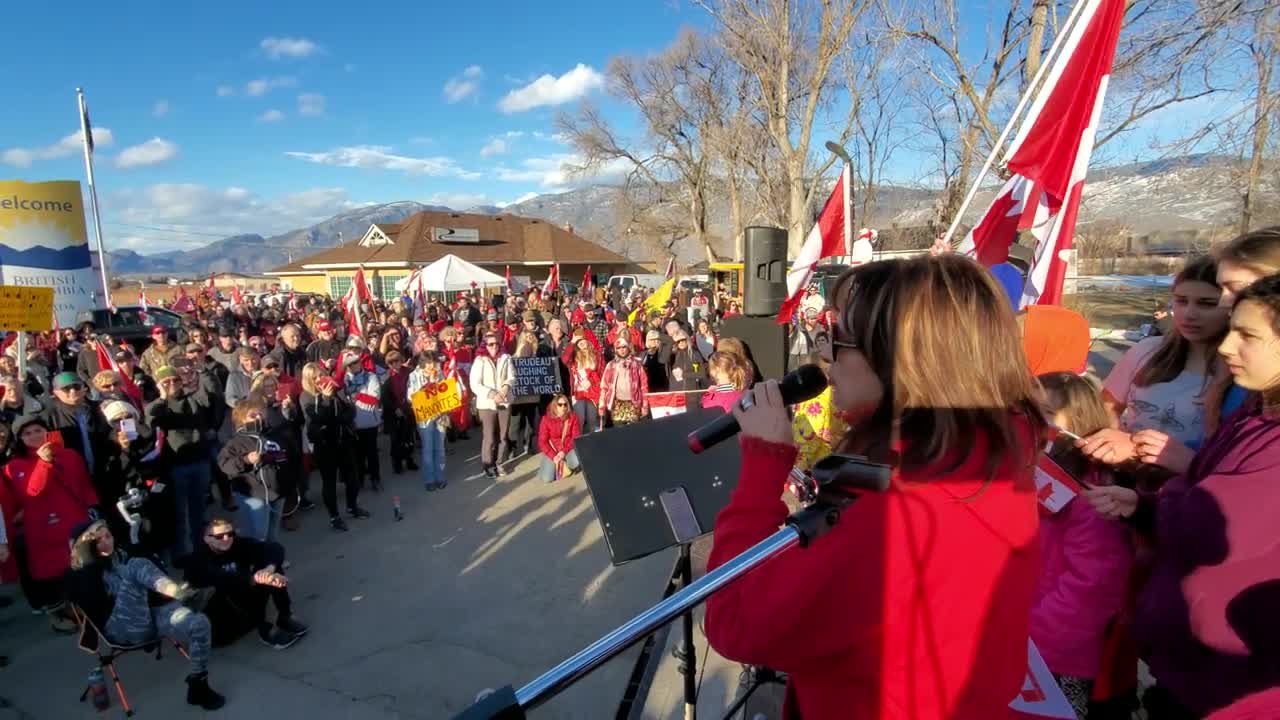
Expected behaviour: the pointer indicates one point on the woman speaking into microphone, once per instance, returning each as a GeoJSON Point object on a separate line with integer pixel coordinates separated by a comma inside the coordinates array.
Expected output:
{"type": "Point", "coordinates": [916, 604]}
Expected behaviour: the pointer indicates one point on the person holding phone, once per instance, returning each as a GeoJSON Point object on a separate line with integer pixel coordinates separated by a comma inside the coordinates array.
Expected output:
{"type": "Point", "coordinates": [330, 426]}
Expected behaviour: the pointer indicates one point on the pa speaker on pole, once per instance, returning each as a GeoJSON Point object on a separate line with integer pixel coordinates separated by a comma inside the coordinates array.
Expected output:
{"type": "Point", "coordinates": [764, 271]}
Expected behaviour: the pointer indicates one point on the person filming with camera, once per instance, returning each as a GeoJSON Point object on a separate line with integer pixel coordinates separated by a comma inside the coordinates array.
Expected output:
{"type": "Point", "coordinates": [916, 604]}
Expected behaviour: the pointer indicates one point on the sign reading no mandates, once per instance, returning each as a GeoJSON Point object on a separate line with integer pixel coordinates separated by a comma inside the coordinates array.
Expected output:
{"type": "Point", "coordinates": [435, 400]}
{"type": "Point", "coordinates": [535, 376]}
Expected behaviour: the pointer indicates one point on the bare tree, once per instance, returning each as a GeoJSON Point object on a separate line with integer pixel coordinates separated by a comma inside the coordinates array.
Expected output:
{"type": "Point", "coordinates": [671, 161]}
{"type": "Point", "coordinates": [790, 50]}
{"type": "Point", "coordinates": [1264, 49]}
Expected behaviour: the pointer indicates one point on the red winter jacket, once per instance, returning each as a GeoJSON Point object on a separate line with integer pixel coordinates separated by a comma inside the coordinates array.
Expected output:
{"type": "Point", "coordinates": [914, 606]}
{"type": "Point", "coordinates": [54, 498]}
{"type": "Point", "coordinates": [557, 434]}
{"type": "Point", "coordinates": [8, 568]}
{"type": "Point", "coordinates": [590, 389]}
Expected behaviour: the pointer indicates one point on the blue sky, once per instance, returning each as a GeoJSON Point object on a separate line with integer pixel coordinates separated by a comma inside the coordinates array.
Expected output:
{"type": "Point", "coordinates": [265, 116]}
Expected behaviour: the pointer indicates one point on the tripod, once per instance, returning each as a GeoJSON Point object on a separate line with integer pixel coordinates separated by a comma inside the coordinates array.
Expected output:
{"type": "Point", "coordinates": [835, 481]}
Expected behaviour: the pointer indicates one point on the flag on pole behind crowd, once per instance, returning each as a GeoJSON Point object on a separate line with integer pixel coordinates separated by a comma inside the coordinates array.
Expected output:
{"type": "Point", "coordinates": [830, 236]}
{"type": "Point", "coordinates": [183, 303]}
{"type": "Point", "coordinates": [357, 295]}
{"type": "Point", "coordinates": [1050, 155]}
{"type": "Point", "coordinates": [671, 269]}
{"type": "Point", "coordinates": [508, 278]}
{"type": "Point", "coordinates": [107, 361]}
{"type": "Point", "coordinates": [588, 287]}
{"type": "Point", "coordinates": [553, 281]}
{"type": "Point", "coordinates": [655, 302]}
{"type": "Point", "coordinates": [236, 297]}
{"type": "Point", "coordinates": [142, 297]}
{"type": "Point", "coordinates": [209, 288]}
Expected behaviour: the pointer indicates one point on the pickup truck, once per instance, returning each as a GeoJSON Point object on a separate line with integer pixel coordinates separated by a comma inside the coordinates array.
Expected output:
{"type": "Point", "coordinates": [133, 324]}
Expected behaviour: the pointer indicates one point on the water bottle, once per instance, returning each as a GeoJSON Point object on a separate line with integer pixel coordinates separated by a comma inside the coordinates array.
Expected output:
{"type": "Point", "coordinates": [98, 690]}
{"type": "Point", "coordinates": [395, 508]}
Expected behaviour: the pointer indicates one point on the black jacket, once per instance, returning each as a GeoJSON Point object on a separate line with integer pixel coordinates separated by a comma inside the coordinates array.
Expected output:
{"type": "Point", "coordinates": [692, 366]}
{"type": "Point", "coordinates": [87, 365]}
{"type": "Point", "coordinates": [232, 571]}
{"type": "Point", "coordinates": [188, 424]}
{"type": "Point", "coordinates": [63, 418]}
{"type": "Point", "coordinates": [330, 421]}
{"type": "Point", "coordinates": [656, 372]}
{"type": "Point", "coordinates": [324, 351]}
{"type": "Point", "coordinates": [291, 361]}
{"type": "Point", "coordinates": [265, 480]}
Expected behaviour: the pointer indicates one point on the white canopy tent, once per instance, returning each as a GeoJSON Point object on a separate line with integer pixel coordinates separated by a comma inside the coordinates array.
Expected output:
{"type": "Point", "coordinates": [449, 274]}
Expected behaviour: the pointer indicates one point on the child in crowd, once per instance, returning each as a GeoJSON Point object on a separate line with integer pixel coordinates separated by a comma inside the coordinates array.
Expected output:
{"type": "Point", "coordinates": [1085, 557]}
{"type": "Point", "coordinates": [728, 381]}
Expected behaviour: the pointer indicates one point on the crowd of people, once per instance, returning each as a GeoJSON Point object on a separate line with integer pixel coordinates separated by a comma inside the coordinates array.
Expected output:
{"type": "Point", "coordinates": [192, 458]}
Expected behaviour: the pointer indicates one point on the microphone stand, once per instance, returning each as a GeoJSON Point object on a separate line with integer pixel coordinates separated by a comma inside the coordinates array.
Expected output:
{"type": "Point", "coordinates": [835, 477]}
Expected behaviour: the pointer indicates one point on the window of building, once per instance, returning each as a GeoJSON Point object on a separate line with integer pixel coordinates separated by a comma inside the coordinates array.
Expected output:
{"type": "Point", "coordinates": [338, 286]}
{"type": "Point", "coordinates": [384, 286]}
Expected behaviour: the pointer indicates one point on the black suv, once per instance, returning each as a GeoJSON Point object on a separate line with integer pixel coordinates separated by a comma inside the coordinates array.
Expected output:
{"type": "Point", "coordinates": [133, 324]}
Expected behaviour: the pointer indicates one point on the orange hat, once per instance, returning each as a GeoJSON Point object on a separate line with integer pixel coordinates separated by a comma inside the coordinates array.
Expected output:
{"type": "Point", "coordinates": [1055, 339]}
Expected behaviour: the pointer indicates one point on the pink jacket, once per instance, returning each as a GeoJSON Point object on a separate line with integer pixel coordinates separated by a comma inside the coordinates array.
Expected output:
{"type": "Point", "coordinates": [723, 399]}
{"type": "Point", "coordinates": [1085, 561]}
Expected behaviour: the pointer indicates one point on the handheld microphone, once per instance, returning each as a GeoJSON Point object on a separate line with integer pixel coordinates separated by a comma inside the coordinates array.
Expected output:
{"type": "Point", "coordinates": [804, 383]}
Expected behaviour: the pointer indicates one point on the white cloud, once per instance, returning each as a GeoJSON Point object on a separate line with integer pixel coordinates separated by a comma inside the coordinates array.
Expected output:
{"type": "Point", "coordinates": [287, 47]}
{"type": "Point", "coordinates": [206, 211]}
{"type": "Point", "coordinates": [380, 157]}
{"type": "Point", "coordinates": [496, 146]}
{"type": "Point", "coordinates": [152, 152]}
{"type": "Point", "coordinates": [262, 86]}
{"type": "Point", "coordinates": [161, 108]}
{"type": "Point", "coordinates": [525, 198]}
{"type": "Point", "coordinates": [460, 87]}
{"type": "Point", "coordinates": [311, 104]}
{"type": "Point", "coordinates": [271, 116]}
{"type": "Point", "coordinates": [226, 91]}
{"type": "Point", "coordinates": [458, 201]}
{"type": "Point", "coordinates": [69, 145]}
{"type": "Point", "coordinates": [551, 172]}
{"type": "Point", "coordinates": [549, 90]}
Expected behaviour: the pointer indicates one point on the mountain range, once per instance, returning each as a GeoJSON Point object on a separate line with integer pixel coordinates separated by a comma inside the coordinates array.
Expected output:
{"type": "Point", "coordinates": [1190, 193]}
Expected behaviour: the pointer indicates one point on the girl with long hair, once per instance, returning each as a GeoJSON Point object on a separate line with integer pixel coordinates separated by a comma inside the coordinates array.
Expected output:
{"type": "Point", "coordinates": [729, 379]}
{"type": "Point", "coordinates": [556, 434]}
{"type": "Point", "coordinates": [1086, 558]}
{"type": "Point", "coordinates": [525, 408]}
{"type": "Point", "coordinates": [492, 381]}
{"type": "Point", "coordinates": [1157, 390]}
{"type": "Point", "coordinates": [457, 365]}
{"type": "Point", "coordinates": [1205, 621]}
{"type": "Point", "coordinates": [704, 338]}
{"type": "Point", "coordinates": [917, 603]}
{"type": "Point", "coordinates": [583, 358]}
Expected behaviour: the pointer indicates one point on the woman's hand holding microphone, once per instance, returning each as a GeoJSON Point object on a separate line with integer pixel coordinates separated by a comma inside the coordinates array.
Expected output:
{"type": "Point", "coordinates": [763, 415]}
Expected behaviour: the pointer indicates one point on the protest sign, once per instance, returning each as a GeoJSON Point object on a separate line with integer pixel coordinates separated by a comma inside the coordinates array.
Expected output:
{"type": "Point", "coordinates": [535, 376]}
{"type": "Point", "coordinates": [43, 244]}
{"type": "Point", "coordinates": [435, 400]}
{"type": "Point", "coordinates": [29, 309]}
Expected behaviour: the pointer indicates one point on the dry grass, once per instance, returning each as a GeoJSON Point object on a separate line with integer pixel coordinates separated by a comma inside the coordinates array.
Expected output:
{"type": "Point", "coordinates": [1125, 310]}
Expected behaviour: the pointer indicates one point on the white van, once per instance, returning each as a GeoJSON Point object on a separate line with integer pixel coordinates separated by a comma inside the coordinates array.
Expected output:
{"type": "Point", "coordinates": [627, 282]}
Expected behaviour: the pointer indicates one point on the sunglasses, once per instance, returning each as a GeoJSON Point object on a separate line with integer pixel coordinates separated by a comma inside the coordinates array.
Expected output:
{"type": "Point", "coordinates": [73, 387]}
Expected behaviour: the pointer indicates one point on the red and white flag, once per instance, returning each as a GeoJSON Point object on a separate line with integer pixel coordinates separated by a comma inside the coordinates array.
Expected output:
{"type": "Point", "coordinates": [830, 236]}
{"type": "Point", "coordinates": [553, 281]}
{"type": "Point", "coordinates": [1055, 487]}
{"type": "Point", "coordinates": [236, 297]}
{"type": "Point", "coordinates": [209, 288]}
{"type": "Point", "coordinates": [671, 269]}
{"type": "Point", "coordinates": [587, 286]}
{"type": "Point", "coordinates": [864, 247]}
{"type": "Point", "coordinates": [666, 404]}
{"type": "Point", "coordinates": [508, 277]}
{"type": "Point", "coordinates": [1050, 156]}
{"type": "Point", "coordinates": [107, 361]}
{"type": "Point", "coordinates": [357, 295]}
{"type": "Point", "coordinates": [142, 297]}
{"type": "Point", "coordinates": [183, 303]}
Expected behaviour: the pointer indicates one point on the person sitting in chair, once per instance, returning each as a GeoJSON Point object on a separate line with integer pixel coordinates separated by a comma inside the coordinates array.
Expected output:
{"type": "Point", "coordinates": [130, 601]}
{"type": "Point", "coordinates": [245, 574]}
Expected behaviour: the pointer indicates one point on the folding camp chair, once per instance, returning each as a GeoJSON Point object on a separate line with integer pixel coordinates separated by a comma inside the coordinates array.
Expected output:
{"type": "Point", "coordinates": [95, 642]}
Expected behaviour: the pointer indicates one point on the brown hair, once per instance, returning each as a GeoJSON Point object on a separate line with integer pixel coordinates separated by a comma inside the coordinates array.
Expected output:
{"type": "Point", "coordinates": [1079, 399]}
{"type": "Point", "coordinates": [732, 366]}
{"type": "Point", "coordinates": [1170, 359]}
{"type": "Point", "coordinates": [587, 358]}
{"type": "Point", "coordinates": [940, 336]}
{"type": "Point", "coordinates": [1258, 251]}
{"type": "Point", "coordinates": [1265, 292]}
{"type": "Point", "coordinates": [242, 410]}
{"type": "Point", "coordinates": [551, 406]}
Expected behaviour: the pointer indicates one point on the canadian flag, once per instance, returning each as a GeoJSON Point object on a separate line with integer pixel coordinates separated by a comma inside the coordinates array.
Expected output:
{"type": "Point", "coordinates": [236, 297]}
{"type": "Point", "coordinates": [553, 280]}
{"type": "Point", "coordinates": [587, 286]}
{"type": "Point", "coordinates": [357, 295]}
{"type": "Point", "coordinates": [830, 236]}
{"type": "Point", "coordinates": [209, 288]}
{"type": "Point", "coordinates": [864, 247]}
{"type": "Point", "coordinates": [508, 277]}
{"type": "Point", "coordinates": [142, 297]}
{"type": "Point", "coordinates": [107, 360]}
{"type": "Point", "coordinates": [671, 269]}
{"type": "Point", "coordinates": [1050, 156]}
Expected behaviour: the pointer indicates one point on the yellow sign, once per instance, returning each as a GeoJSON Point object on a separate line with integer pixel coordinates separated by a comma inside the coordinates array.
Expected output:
{"type": "Point", "coordinates": [29, 309]}
{"type": "Point", "coordinates": [43, 244]}
{"type": "Point", "coordinates": [432, 401]}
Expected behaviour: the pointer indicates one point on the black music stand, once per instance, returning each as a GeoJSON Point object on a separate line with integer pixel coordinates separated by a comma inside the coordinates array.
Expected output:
{"type": "Point", "coordinates": [659, 497]}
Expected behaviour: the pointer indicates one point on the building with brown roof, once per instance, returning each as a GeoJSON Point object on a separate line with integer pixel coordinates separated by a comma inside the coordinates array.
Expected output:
{"type": "Point", "coordinates": [389, 252]}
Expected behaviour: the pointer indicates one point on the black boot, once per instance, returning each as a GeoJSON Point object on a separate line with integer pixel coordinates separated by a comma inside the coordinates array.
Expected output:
{"type": "Point", "coordinates": [411, 464]}
{"type": "Point", "coordinates": [199, 693]}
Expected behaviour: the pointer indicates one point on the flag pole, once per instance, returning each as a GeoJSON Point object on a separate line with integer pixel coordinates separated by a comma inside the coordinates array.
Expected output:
{"type": "Point", "coordinates": [87, 141]}
{"type": "Point", "coordinates": [1050, 58]}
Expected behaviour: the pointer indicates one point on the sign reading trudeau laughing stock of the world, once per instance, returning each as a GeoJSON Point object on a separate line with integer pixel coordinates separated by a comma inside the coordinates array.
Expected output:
{"type": "Point", "coordinates": [536, 375]}
{"type": "Point", "coordinates": [435, 400]}
{"type": "Point", "coordinates": [43, 244]}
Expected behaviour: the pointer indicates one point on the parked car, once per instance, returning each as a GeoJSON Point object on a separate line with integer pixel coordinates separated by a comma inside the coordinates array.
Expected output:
{"type": "Point", "coordinates": [627, 282]}
{"type": "Point", "coordinates": [132, 323]}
